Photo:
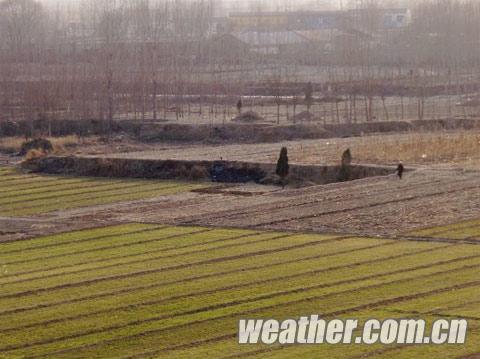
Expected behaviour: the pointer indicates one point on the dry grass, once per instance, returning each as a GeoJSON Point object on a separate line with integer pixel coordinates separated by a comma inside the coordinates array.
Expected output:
{"type": "Point", "coordinates": [11, 144]}
{"type": "Point", "coordinates": [456, 147]}
{"type": "Point", "coordinates": [461, 148]}
{"type": "Point", "coordinates": [420, 148]}
{"type": "Point", "coordinates": [32, 154]}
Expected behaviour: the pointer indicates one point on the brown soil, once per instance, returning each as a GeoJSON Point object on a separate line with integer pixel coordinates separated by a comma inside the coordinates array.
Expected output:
{"type": "Point", "coordinates": [375, 206]}
{"type": "Point", "coordinates": [432, 195]}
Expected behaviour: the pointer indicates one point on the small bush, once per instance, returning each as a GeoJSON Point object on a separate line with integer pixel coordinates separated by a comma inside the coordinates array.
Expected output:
{"type": "Point", "coordinates": [306, 116]}
{"type": "Point", "coordinates": [248, 117]}
{"type": "Point", "coordinates": [40, 144]}
{"type": "Point", "coordinates": [199, 172]}
{"type": "Point", "coordinates": [34, 154]}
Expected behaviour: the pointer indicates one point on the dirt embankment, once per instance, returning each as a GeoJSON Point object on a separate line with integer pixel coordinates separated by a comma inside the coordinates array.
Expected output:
{"type": "Point", "coordinates": [216, 171]}
{"type": "Point", "coordinates": [228, 133]}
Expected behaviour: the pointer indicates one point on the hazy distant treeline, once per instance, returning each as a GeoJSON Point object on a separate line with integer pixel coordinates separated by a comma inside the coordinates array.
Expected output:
{"type": "Point", "coordinates": [111, 58]}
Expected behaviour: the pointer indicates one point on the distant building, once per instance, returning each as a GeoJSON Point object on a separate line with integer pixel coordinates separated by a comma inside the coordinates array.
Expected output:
{"type": "Point", "coordinates": [305, 46]}
{"type": "Point", "coordinates": [270, 42]}
{"type": "Point", "coordinates": [386, 19]}
{"type": "Point", "coordinates": [276, 21]}
{"type": "Point", "coordinates": [396, 18]}
{"type": "Point", "coordinates": [259, 21]}
{"type": "Point", "coordinates": [315, 20]}
{"type": "Point", "coordinates": [226, 48]}
{"type": "Point", "coordinates": [378, 19]}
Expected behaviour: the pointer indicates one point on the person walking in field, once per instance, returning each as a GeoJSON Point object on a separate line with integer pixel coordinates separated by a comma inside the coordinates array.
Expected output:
{"type": "Point", "coordinates": [400, 170]}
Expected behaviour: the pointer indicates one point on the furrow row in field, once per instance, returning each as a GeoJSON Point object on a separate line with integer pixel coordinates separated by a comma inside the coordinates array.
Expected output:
{"type": "Point", "coordinates": [136, 250]}
{"type": "Point", "coordinates": [267, 273]}
{"type": "Point", "coordinates": [434, 231]}
{"type": "Point", "coordinates": [110, 293]}
{"type": "Point", "coordinates": [52, 185]}
{"type": "Point", "coordinates": [474, 355]}
{"type": "Point", "coordinates": [276, 283]}
{"type": "Point", "coordinates": [69, 194]}
{"type": "Point", "coordinates": [273, 351]}
{"type": "Point", "coordinates": [113, 233]}
{"type": "Point", "coordinates": [225, 345]}
{"type": "Point", "coordinates": [424, 351]}
{"type": "Point", "coordinates": [335, 194]}
{"type": "Point", "coordinates": [63, 190]}
{"type": "Point", "coordinates": [94, 245]}
{"type": "Point", "coordinates": [29, 181]}
{"type": "Point", "coordinates": [163, 250]}
{"type": "Point", "coordinates": [310, 206]}
{"type": "Point", "coordinates": [467, 233]}
{"type": "Point", "coordinates": [98, 251]}
{"type": "Point", "coordinates": [470, 311]}
{"type": "Point", "coordinates": [450, 308]}
{"type": "Point", "coordinates": [159, 264]}
{"type": "Point", "coordinates": [83, 201]}
{"type": "Point", "coordinates": [231, 271]}
{"type": "Point", "coordinates": [463, 230]}
{"type": "Point", "coordinates": [16, 177]}
{"type": "Point", "coordinates": [437, 302]}
{"type": "Point", "coordinates": [371, 296]}
{"type": "Point", "coordinates": [314, 212]}
{"type": "Point", "coordinates": [117, 323]}
{"type": "Point", "coordinates": [324, 197]}
{"type": "Point", "coordinates": [400, 351]}
{"type": "Point", "coordinates": [330, 196]}
{"type": "Point", "coordinates": [38, 182]}
{"type": "Point", "coordinates": [73, 194]}
{"type": "Point", "coordinates": [332, 193]}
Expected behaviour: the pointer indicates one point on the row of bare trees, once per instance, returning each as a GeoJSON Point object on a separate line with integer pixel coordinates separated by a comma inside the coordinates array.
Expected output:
{"type": "Point", "coordinates": [151, 59]}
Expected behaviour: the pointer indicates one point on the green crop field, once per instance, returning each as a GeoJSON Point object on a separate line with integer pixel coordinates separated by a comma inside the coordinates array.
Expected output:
{"type": "Point", "coordinates": [27, 194]}
{"type": "Point", "coordinates": [154, 291]}
{"type": "Point", "coordinates": [468, 230]}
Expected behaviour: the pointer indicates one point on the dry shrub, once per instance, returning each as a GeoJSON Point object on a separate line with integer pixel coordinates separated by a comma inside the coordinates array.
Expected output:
{"type": "Point", "coordinates": [305, 116]}
{"type": "Point", "coordinates": [65, 142]}
{"type": "Point", "coordinates": [58, 150]}
{"type": "Point", "coordinates": [41, 144]}
{"type": "Point", "coordinates": [199, 172]}
{"type": "Point", "coordinates": [421, 148]}
{"type": "Point", "coordinates": [34, 154]}
{"type": "Point", "coordinates": [181, 171]}
{"type": "Point", "coordinates": [248, 117]}
{"type": "Point", "coordinates": [12, 145]}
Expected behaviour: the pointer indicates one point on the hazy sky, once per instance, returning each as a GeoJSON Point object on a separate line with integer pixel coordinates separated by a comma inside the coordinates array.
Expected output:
{"type": "Point", "coordinates": [271, 2]}
{"type": "Point", "coordinates": [249, 3]}
{"type": "Point", "coordinates": [275, 4]}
